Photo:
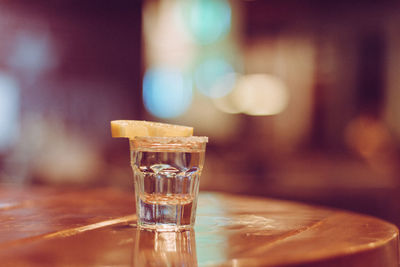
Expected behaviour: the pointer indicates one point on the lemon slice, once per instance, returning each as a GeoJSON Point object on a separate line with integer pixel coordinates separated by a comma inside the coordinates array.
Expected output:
{"type": "Point", "coordinates": [131, 128]}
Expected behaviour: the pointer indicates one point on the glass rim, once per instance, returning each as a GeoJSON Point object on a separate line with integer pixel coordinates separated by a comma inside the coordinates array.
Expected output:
{"type": "Point", "coordinates": [171, 139]}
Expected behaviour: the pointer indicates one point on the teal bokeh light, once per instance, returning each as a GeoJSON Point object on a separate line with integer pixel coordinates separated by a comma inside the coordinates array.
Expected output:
{"type": "Point", "coordinates": [167, 93]}
{"type": "Point", "coordinates": [215, 77]}
{"type": "Point", "coordinates": [208, 20]}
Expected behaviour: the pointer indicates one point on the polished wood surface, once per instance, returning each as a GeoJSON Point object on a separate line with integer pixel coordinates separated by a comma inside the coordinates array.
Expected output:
{"type": "Point", "coordinates": [96, 227]}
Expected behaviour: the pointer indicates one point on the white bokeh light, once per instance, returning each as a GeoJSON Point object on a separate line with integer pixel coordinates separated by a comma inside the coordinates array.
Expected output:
{"type": "Point", "coordinates": [260, 95]}
{"type": "Point", "coordinates": [255, 95]}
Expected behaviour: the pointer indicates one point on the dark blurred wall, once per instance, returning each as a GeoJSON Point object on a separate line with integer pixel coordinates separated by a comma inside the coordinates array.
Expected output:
{"type": "Point", "coordinates": [78, 66]}
{"type": "Point", "coordinates": [91, 61]}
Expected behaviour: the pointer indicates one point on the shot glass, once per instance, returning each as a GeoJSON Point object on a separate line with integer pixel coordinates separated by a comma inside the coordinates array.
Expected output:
{"type": "Point", "coordinates": [166, 174]}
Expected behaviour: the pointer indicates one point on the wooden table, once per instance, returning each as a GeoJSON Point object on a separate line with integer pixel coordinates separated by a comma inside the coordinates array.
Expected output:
{"type": "Point", "coordinates": [95, 227]}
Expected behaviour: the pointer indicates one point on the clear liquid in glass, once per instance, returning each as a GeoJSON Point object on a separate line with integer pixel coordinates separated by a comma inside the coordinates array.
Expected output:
{"type": "Point", "coordinates": [166, 187]}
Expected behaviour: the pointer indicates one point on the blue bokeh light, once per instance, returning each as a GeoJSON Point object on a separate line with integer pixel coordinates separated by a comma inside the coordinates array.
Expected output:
{"type": "Point", "coordinates": [215, 77]}
{"type": "Point", "coordinates": [208, 20]}
{"type": "Point", "coordinates": [9, 111]}
{"type": "Point", "coordinates": [167, 92]}
{"type": "Point", "coordinates": [33, 53]}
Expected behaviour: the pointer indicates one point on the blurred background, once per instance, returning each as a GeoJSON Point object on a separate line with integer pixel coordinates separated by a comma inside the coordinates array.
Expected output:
{"type": "Point", "coordinates": [298, 98]}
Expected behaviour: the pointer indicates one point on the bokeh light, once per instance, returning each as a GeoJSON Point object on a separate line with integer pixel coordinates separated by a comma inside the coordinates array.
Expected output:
{"type": "Point", "coordinates": [215, 77]}
{"type": "Point", "coordinates": [260, 95]}
{"type": "Point", "coordinates": [161, 20]}
{"type": "Point", "coordinates": [167, 92]}
{"type": "Point", "coordinates": [256, 95]}
{"type": "Point", "coordinates": [32, 53]}
{"type": "Point", "coordinates": [208, 20]}
{"type": "Point", "coordinates": [9, 111]}
{"type": "Point", "coordinates": [226, 105]}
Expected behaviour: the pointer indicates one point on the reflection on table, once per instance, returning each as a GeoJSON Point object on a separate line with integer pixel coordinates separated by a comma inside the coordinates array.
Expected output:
{"type": "Point", "coordinates": [165, 248]}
